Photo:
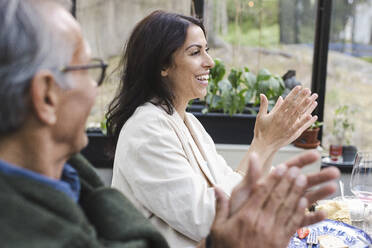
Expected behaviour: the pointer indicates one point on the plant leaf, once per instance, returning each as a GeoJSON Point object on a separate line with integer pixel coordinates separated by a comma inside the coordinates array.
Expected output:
{"type": "Point", "coordinates": [218, 71]}
{"type": "Point", "coordinates": [224, 86]}
{"type": "Point", "coordinates": [249, 80]}
{"type": "Point", "coordinates": [234, 77]}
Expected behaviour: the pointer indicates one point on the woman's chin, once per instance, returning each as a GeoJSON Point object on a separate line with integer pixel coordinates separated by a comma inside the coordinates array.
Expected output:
{"type": "Point", "coordinates": [201, 95]}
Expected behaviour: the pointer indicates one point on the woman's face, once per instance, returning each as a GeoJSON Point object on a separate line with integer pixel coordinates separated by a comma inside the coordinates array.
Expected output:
{"type": "Point", "coordinates": [189, 72]}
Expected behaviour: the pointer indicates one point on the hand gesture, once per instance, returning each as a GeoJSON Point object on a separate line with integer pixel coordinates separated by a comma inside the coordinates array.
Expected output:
{"type": "Point", "coordinates": [287, 120]}
{"type": "Point", "coordinates": [266, 211]}
{"type": "Point", "coordinates": [241, 192]}
{"type": "Point", "coordinates": [268, 218]}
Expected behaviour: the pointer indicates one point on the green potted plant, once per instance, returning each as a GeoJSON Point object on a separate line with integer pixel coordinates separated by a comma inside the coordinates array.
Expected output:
{"type": "Point", "coordinates": [240, 90]}
{"type": "Point", "coordinates": [342, 128]}
{"type": "Point", "coordinates": [309, 138]}
{"type": "Point", "coordinates": [229, 110]}
{"type": "Point", "coordinates": [268, 84]}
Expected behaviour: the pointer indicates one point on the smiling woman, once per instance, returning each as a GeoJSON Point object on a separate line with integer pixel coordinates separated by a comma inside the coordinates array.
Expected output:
{"type": "Point", "coordinates": [188, 75]}
{"type": "Point", "coordinates": [165, 162]}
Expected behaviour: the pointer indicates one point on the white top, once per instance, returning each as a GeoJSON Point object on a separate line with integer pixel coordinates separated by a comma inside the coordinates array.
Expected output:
{"type": "Point", "coordinates": [166, 168]}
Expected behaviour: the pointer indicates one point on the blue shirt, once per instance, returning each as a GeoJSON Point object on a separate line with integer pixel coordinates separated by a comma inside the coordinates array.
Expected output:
{"type": "Point", "coordinates": [69, 182]}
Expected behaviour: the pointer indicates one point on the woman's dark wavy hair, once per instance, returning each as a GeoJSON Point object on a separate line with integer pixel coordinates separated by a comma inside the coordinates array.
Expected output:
{"type": "Point", "coordinates": [148, 50]}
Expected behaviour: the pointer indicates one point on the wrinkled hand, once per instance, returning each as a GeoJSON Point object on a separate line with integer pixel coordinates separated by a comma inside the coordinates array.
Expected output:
{"type": "Point", "coordinates": [268, 218]}
{"type": "Point", "coordinates": [241, 192]}
{"type": "Point", "coordinates": [322, 178]}
{"type": "Point", "coordinates": [287, 120]}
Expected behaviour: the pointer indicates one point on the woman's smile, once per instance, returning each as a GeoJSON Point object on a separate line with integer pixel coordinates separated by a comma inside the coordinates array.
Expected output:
{"type": "Point", "coordinates": [203, 79]}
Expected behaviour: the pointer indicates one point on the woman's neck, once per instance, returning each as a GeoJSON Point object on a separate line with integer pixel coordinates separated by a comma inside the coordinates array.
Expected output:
{"type": "Point", "coordinates": [180, 107]}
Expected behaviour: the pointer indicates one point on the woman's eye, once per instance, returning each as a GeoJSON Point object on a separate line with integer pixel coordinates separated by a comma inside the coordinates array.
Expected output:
{"type": "Point", "coordinates": [195, 53]}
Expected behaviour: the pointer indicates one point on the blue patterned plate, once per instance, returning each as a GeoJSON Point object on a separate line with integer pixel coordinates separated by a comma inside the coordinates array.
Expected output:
{"type": "Point", "coordinates": [345, 232]}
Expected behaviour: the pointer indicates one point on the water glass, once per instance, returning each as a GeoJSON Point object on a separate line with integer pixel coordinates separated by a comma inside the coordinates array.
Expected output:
{"type": "Point", "coordinates": [361, 185]}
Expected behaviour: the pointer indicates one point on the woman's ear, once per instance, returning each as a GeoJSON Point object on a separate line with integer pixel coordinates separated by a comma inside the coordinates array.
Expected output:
{"type": "Point", "coordinates": [164, 72]}
{"type": "Point", "coordinates": [44, 93]}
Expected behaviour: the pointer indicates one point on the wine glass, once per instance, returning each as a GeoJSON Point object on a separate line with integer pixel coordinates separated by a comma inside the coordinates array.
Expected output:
{"type": "Point", "coordinates": [361, 184]}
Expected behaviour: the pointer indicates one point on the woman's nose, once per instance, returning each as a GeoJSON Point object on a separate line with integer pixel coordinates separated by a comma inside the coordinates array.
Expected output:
{"type": "Point", "coordinates": [208, 61]}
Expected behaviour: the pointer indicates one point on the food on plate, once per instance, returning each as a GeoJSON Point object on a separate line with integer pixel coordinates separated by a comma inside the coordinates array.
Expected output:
{"type": "Point", "coordinates": [336, 210]}
{"type": "Point", "coordinates": [303, 232]}
{"type": "Point", "coordinates": [329, 241]}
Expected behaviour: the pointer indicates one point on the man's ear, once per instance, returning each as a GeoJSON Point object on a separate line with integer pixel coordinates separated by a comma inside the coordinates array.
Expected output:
{"type": "Point", "coordinates": [44, 96]}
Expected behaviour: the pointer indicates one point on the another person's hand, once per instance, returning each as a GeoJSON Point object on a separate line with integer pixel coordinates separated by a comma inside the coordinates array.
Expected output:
{"type": "Point", "coordinates": [286, 121]}
{"type": "Point", "coordinates": [269, 217]}
{"type": "Point", "coordinates": [241, 192]}
{"type": "Point", "coordinates": [321, 179]}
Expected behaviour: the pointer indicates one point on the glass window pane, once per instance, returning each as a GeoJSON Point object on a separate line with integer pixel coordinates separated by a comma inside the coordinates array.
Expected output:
{"type": "Point", "coordinates": [276, 35]}
{"type": "Point", "coordinates": [349, 75]}
{"type": "Point", "coordinates": [106, 24]}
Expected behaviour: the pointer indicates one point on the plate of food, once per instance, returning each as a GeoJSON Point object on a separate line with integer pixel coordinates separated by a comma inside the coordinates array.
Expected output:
{"type": "Point", "coordinates": [333, 234]}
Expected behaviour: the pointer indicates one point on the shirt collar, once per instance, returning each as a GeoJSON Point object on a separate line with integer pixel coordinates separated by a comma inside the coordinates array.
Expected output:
{"type": "Point", "coordinates": [69, 182]}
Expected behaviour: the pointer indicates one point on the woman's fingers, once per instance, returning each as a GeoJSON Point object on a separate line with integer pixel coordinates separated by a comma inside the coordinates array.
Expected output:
{"type": "Point", "coordinates": [264, 104]}
{"type": "Point", "coordinates": [312, 103]}
{"type": "Point", "coordinates": [294, 113]}
{"type": "Point", "coordinates": [303, 123]}
{"type": "Point", "coordinates": [305, 119]}
{"type": "Point", "coordinates": [311, 108]}
{"type": "Point", "coordinates": [278, 103]}
{"type": "Point", "coordinates": [299, 103]}
{"type": "Point", "coordinates": [290, 98]}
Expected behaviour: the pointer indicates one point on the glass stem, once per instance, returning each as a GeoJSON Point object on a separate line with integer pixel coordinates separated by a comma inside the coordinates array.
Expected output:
{"type": "Point", "coordinates": [365, 226]}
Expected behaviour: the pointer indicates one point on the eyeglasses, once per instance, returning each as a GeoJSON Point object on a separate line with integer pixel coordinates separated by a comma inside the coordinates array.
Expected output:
{"type": "Point", "coordinates": [96, 69]}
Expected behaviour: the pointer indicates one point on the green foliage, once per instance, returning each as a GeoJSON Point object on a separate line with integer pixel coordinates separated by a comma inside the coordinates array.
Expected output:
{"type": "Point", "coordinates": [368, 59]}
{"type": "Point", "coordinates": [252, 25]}
{"type": "Point", "coordinates": [297, 21]}
{"type": "Point", "coordinates": [271, 86]}
{"type": "Point", "coordinates": [342, 124]}
{"type": "Point", "coordinates": [225, 94]}
{"type": "Point", "coordinates": [269, 36]}
{"type": "Point", "coordinates": [249, 17]}
{"type": "Point", "coordinates": [316, 124]}
{"type": "Point", "coordinates": [103, 126]}
{"type": "Point", "coordinates": [241, 86]}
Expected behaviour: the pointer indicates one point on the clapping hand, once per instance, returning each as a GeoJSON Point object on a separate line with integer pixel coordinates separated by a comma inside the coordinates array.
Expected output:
{"type": "Point", "coordinates": [266, 211]}
{"type": "Point", "coordinates": [287, 120]}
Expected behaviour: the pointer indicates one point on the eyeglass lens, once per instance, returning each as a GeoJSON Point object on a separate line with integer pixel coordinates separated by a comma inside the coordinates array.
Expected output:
{"type": "Point", "coordinates": [95, 74]}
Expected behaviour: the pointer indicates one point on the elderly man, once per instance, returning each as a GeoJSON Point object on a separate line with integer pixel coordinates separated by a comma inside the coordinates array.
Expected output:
{"type": "Point", "coordinates": [47, 93]}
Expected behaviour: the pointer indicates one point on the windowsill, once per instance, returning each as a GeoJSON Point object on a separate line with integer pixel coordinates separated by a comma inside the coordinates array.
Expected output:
{"type": "Point", "coordinates": [234, 153]}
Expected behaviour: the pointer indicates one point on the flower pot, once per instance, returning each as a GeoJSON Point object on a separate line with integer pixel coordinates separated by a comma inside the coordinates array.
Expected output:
{"type": "Point", "coordinates": [96, 150]}
{"type": "Point", "coordinates": [308, 139]}
{"type": "Point", "coordinates": [226, 129]}
{"type": "Point", "coordinates": [349, 153]}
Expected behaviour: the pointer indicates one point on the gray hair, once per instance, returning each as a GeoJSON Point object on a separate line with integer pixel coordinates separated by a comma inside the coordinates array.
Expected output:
{"type": "Point", "coordinates": [28, 44]}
